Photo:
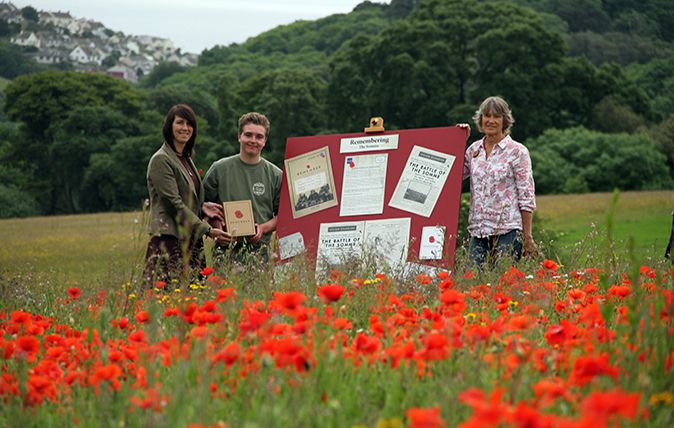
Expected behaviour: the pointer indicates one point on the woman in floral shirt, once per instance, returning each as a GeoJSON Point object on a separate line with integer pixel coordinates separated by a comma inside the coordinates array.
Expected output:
{"type": "Point", "coordinates": [502, 197]}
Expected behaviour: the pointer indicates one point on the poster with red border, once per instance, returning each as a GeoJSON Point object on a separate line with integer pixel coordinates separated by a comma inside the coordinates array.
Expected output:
{"type": "Point", "coordinates": [444, 216]}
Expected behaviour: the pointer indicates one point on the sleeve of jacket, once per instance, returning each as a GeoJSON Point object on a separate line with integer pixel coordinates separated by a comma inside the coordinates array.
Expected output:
{"type": "Point", "coordinates": [166, 186]}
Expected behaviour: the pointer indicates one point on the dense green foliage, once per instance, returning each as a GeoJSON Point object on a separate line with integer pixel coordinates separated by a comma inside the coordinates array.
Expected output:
{"type": "Point", "coordinates": [601, 69]}
{"type": "Point", "coordinates": [585, 161]}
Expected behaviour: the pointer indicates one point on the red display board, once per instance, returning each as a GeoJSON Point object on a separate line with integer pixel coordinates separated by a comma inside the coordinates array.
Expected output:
{"type": "Point", "coordinates": [448, 140]}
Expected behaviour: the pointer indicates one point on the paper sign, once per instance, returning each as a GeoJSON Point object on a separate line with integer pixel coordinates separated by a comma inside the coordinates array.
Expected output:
{"type": "Point", "coordinates": [432, 243]}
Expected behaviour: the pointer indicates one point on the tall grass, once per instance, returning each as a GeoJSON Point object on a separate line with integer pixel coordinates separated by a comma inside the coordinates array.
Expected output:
{"type": "Point", "coordinates": [247, 346]}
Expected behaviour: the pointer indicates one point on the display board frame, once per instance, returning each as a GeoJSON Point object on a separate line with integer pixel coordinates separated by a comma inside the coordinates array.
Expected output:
{"type": "Point", "coordinates": [304, 230]}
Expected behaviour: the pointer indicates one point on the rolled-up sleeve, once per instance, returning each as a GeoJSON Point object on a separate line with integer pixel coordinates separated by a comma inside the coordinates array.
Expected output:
{"type": "Point", "coordinates": [524, 180]}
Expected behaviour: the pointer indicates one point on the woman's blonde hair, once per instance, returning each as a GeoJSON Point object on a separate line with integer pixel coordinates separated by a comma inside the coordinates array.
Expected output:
{"type": "Point", "coordinates": [497, 106]}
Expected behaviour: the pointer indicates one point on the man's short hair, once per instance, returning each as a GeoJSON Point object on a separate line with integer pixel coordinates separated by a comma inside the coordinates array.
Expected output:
{"type": "Point", "coordinates": [254, 118]}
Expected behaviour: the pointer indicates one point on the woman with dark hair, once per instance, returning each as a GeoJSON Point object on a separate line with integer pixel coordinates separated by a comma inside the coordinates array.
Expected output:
{"type": "Point", "coordinates": [176, 195]}
{"type": "Point", "coordinates": [502, 195]}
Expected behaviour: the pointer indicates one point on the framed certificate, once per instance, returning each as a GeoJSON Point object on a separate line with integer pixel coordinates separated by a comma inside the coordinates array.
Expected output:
{"type": "Point", "coordinates": [310, 182]}
{"type": "Point", "coordinates": [239, 218]}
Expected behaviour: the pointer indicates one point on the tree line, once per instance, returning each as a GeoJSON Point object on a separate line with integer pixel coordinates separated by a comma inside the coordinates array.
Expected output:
{"type": "Point", "coordinates": [73, 142]}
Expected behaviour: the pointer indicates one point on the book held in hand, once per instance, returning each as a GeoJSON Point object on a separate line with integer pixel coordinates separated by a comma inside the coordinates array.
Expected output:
{"type": "Point", "coordinates": [239, 218]}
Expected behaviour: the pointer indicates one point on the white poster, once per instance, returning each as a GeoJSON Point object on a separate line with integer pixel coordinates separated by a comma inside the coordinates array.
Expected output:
{"type": "Point", "coordinates": [389, 239]}
{"type": "Point", "coordinates": [291, 245]}
{"type": "Point", "coordinates": [364, 184]}
{"type": "Point", "coordinates": [422, 181]}
{"type": "Point", "coordinates": [338, 243]}
{"type": "Point", "coordinates": [432, 242]}
{"type": "Point", "coordinates": [368, 144]}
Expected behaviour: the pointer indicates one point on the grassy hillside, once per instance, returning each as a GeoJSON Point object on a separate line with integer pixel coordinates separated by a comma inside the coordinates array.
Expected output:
{"type": "Point", "coordinates": [580, 221]}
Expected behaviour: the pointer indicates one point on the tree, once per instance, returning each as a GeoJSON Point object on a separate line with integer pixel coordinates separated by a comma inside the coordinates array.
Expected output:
{"type": "Point", "coordinates": [576, 159]}
{"type": "Point", "coordinates": [115, 180]}
{"type": "Point", "coordinates": [41, 99]}
{"type": "Point", "coordinates": [162, 71]}
{"type": "Point", "coordinates": [443, 61]}
{"type": "Point", "coordinates": [63, 112]}
{"type": "Point", "coordinates": [86, 131]}
{"type": "Point", "coordinates": [30, 14]}
{"type": "Point", "coordinates": [14, 63]}
{"type": "Point", "coordinates": [611, 116]}
{"type": "Point", "coordinates": [293, 101]}
{"type": "Point", "coordinates": [112, 59]}
{"type": "Point", "coordinates": [663, 135]}
{"type": "Point", "coordinates": [581, 15]}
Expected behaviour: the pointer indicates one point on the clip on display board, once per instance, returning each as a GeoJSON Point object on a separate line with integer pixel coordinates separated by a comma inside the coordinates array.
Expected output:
{"type": "Point", "coordinates": [352, 192]}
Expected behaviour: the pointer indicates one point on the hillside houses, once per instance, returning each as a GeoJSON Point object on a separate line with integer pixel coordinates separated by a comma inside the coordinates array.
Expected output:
{"type": "Point", "coordinates": [87, 45]}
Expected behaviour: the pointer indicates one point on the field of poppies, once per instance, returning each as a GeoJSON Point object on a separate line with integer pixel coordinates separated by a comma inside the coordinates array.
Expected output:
{"type": "Point", "coordinates": [539, 347]}
{"type": "Point", "coordinates": [581, 341]}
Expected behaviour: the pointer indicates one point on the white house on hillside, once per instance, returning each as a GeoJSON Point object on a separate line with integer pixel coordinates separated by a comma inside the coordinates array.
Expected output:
{"type": "Point", "coordinates": [27, 39]}
{"type": "Point", "coordinates": [58, 19]}
{"type": "Point", "coordinates": [86, 55]}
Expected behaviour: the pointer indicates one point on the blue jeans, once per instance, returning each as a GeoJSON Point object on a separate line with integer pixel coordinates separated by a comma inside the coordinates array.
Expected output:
{"type": "Point", "coordinates": [495, 247]}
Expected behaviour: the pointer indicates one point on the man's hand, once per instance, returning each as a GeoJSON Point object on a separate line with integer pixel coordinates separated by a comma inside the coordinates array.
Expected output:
{"type": "Point", "coordinates": [259, 232]}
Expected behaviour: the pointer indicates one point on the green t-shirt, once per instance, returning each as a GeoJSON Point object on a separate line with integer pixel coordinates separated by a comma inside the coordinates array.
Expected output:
{"type": "Point", "coordinates": [231, 179]}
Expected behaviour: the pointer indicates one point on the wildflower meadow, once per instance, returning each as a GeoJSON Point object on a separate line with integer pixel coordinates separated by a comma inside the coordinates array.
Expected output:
{"type": "Point", "coordinates": [541, 344]}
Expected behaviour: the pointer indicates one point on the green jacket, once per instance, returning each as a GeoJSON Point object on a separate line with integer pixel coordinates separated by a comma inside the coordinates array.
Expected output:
{"type": "Point", "coordinates": [175, 206]}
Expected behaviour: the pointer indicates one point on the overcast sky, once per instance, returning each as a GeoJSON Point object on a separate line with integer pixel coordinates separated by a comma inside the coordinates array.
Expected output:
{"type": "Point", "coordinates": [194, 25]}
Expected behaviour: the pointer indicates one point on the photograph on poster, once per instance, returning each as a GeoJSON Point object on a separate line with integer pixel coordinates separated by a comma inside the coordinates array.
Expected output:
{"type": "Point", "coordinates": [310, 182]}
{"type": "Point", "coordinates": [389, 239]}
{"type": "Point", "coordinates": [364, 184]}
{"type": "Point", "coordinates": [291, 245]}
{"type": "Point", "coordinates": [422, 181]}
{"type": "Point", "coordinates": [432, 243]}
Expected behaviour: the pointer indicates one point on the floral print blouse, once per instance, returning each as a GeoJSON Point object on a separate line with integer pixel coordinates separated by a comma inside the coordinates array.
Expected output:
{"type": "Point", "coordinates": [501, 186]}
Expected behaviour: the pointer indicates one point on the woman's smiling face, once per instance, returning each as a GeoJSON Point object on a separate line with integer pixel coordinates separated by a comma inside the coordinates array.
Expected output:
{"type": "Point", "coordinates": [182, 130]}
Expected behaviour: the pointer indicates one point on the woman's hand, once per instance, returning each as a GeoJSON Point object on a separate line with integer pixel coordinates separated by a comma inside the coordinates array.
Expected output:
{"type": "Point", "coordinates": [220, 236]}
{"type": "Point", "coordinates": [464, 126]}
{"type": "Point", "coordinates": [530, 247]}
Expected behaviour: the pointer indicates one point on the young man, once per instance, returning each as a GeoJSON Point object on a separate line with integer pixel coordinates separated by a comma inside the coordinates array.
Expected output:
{"type": "Point", "coordinates": [248, 176]}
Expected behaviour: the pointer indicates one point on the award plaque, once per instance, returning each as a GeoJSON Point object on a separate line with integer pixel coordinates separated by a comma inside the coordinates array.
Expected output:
{"type": "Point", "coordinates": [239, 218]}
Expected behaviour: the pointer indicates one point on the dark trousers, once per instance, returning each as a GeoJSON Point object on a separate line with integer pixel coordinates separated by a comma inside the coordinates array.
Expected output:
{"type": "Point", "coordinates": [495, 247]}
{"type": "Point", "coordinates": [169, 258]}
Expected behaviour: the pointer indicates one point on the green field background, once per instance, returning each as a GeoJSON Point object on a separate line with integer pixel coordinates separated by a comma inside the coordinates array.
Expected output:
{"type": "Point", "coordinates": [100, 248]}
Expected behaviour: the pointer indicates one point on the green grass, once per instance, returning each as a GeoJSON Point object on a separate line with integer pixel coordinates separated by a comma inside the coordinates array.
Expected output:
{"type": "Point", "coordinates": [76, 249]}
{"type": "Point", "coordinates": [110, 246]}
{"type": "Point", "coordinates": [646, 217]}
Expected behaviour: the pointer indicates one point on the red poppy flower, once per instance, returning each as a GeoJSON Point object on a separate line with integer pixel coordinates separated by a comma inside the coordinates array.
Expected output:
{"type": "Point", "coordinates": [290, 300]}
{"type": "Point", "coordinates": [207, 271]}
{"type": "Point", "coordinates": [331, 293]}
{"type": "Point", "coordinates": [27, 346]}
{"type": "Point", "coordinates": [74, 293]}
{"type": "Point", "coordinates": [424, 417]}
{"type": "Point", "coordinates": [550, 265]}
{"type": "Point", "coordinates": [143, 317]}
